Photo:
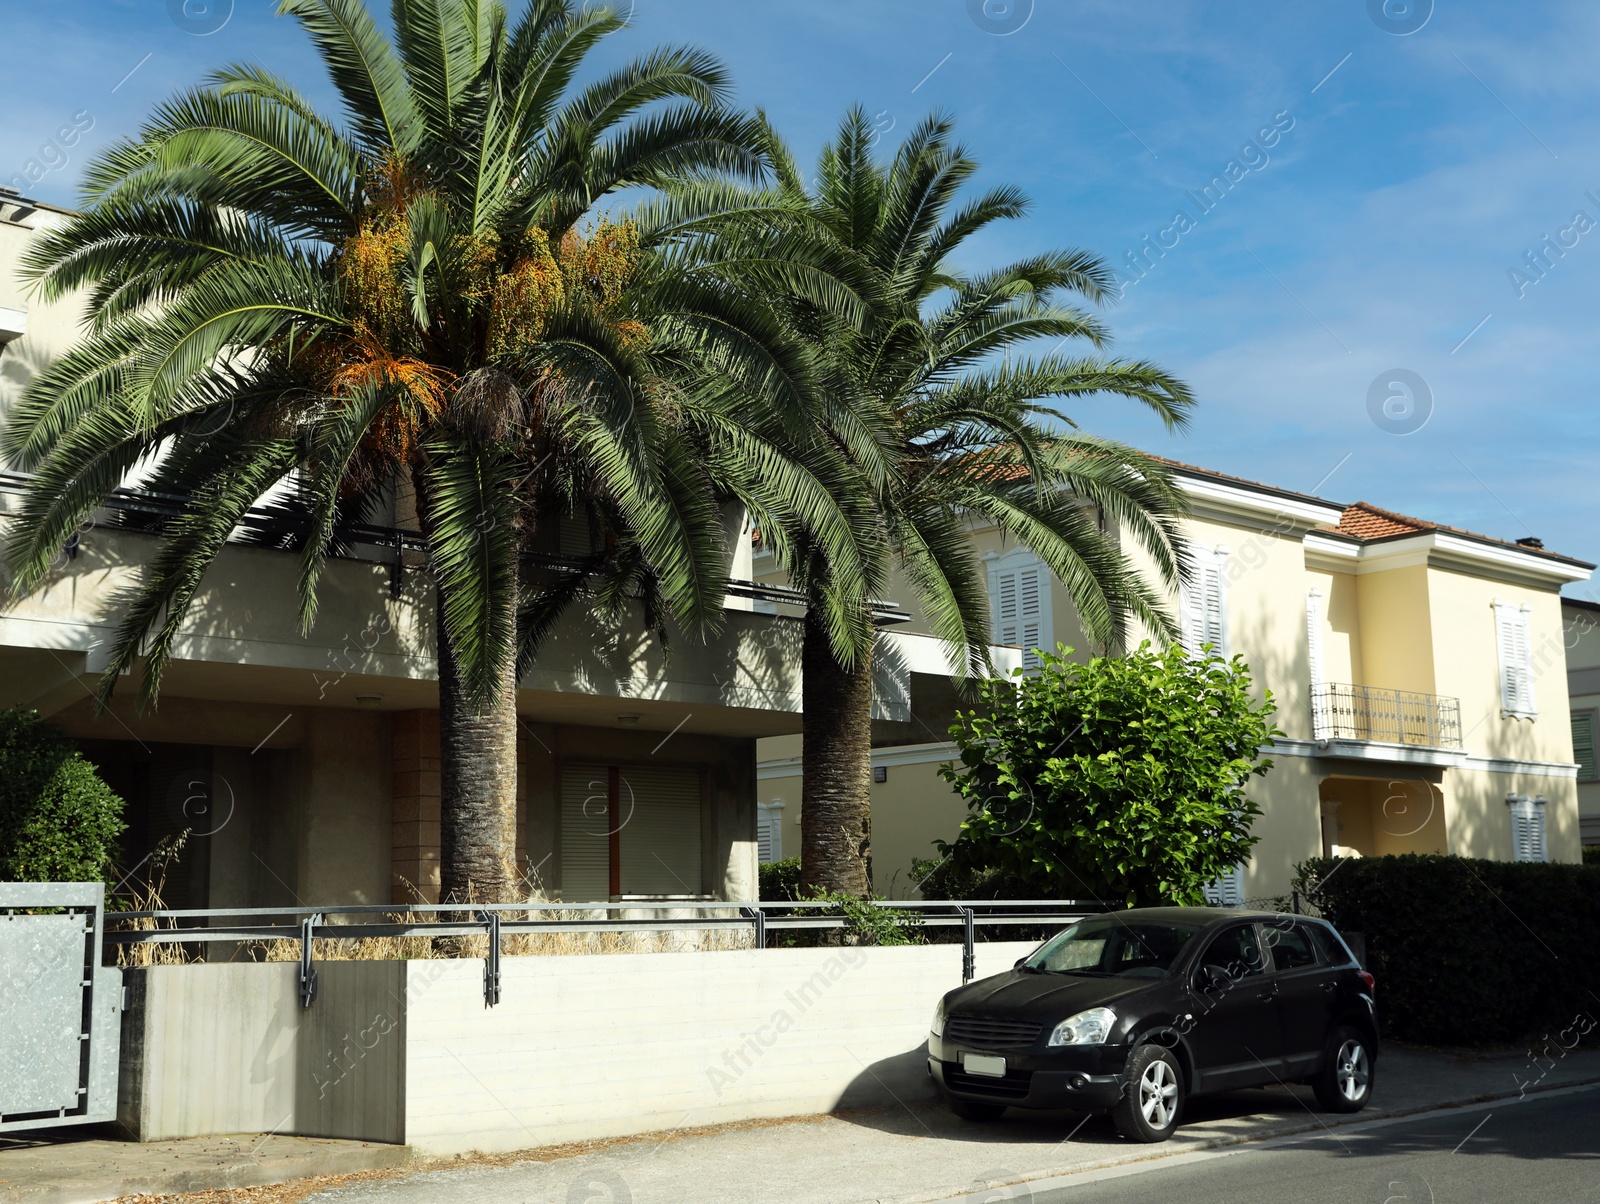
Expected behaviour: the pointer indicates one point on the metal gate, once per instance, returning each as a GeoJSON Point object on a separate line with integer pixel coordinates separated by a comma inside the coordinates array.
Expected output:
{"type": "Point", "coordinates": [60, 1010]}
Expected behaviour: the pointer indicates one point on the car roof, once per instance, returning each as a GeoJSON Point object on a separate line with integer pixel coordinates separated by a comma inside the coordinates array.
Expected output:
{"type": "Point", "coordinates": [1202, 915]}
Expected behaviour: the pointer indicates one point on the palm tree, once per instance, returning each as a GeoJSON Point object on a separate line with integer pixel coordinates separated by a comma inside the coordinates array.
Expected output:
{"type": "Point", "coordinates": [930, 359]}
{"type": "Point", "coordinates": [422, 302]}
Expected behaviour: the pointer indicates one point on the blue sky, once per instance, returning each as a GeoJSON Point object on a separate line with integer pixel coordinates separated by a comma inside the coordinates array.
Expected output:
{"type": "Point", "coordinates": [1411, 174]}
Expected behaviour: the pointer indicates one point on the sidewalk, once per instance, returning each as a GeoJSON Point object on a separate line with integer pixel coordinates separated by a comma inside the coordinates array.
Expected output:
{"type": "Point", "coordinates": [62, 1166]}
{"type": "Point", "coordinates": [915, 1152]}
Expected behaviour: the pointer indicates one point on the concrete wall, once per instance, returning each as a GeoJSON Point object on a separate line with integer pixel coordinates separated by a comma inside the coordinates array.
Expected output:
{"type": "Point", "coordinates": [579, 1048]}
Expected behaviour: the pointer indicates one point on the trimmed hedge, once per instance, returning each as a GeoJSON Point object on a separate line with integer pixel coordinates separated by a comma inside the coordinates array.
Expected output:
{"type": "Point", "coordinates": [58, 821]}
{"type": "Point", "coordinates": [780, 880]}
{"type": "Point", "coordinates": [1468, 952]}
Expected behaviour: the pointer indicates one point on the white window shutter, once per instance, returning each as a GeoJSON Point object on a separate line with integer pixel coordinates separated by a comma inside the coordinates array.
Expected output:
{"type": "Point", "coordinates": [1227, 890]}
{"type": "Point", "coordinates": [1583, 746]}
{"type": "Point", "coordinates": [1515, 648]}
{"type": "Point", "coordinates": [1204, 603]}
{"type": "Point", "coordinates": [1319, 701]}
{"type": "Point", "coordinates": [1527, 828]}
{"type": "Point", "coordinates": [769, 831]}
{"type": "Point", "coordinates": [1019, 606]}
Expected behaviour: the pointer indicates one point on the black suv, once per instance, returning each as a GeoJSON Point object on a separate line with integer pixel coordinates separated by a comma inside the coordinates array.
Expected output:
{"type": "Point", "coordinates": [1132, 1012]}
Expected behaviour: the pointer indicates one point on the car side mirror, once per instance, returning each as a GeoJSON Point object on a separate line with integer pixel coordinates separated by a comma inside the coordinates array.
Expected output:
{"type": "Point", "coordinates": [1212, 977]}
{"type": "Point", "coordinates": [1017, 965]}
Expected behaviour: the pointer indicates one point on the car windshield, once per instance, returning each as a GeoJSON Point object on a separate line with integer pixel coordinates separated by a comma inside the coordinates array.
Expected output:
{"type": "Point", "coordinates": [1107, 947]}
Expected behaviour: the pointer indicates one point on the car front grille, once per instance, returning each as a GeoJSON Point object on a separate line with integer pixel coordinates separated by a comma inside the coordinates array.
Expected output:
{"type": "Point", "coordinates": [1014, 1086]}
{"type": "Point", "coordinates": [990, 1032]}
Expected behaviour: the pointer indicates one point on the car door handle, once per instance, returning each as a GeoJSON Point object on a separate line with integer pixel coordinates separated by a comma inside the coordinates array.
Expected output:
{"type": "Point", "coordinates": [1330, 987]}
{"type": "Point", "coordinates": [1270, 994]}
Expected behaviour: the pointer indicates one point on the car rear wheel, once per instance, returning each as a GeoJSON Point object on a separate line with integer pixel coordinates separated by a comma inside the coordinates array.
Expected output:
{"type": "Point", "coordinates": [1345, 1083]}
{"type": "Point", "coordinates": [1153, 1098]}
{"type": "Point", "coordinates": [968, 1110]}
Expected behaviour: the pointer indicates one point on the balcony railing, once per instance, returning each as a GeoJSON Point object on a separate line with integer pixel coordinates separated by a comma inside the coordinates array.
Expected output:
{"type": "Point", "coordinates": [1345, 712]}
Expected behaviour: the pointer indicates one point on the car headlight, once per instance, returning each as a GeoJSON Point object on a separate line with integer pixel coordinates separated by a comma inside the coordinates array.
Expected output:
{"type": "Point", "coordinates": [937, 1027]}
{"type": "Point", "coordinates": [1086, 1028]}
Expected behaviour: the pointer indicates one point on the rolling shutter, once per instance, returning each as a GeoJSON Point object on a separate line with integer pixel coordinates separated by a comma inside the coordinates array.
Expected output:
{"type": "Point", "coordinates": [660, 839]}
{"type": "Point", "coordinates": [1583, 746]}
{"type": "Point", "coordinates": [1527, 829]}
{"type": "Point", "coordinates": [1516, 661]}
{"type": "Point", "coordinates": [658, 831]}
{"type": "Point", "coordinates": [585, 834]}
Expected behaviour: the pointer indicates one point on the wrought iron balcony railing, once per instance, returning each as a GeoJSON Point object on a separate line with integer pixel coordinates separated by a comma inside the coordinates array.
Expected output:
{"type": "Point", "coordinates": [1340, 711]}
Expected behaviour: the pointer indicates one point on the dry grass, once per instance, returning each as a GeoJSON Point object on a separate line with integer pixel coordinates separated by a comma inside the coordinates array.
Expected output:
{"type": "Point", "coordinates": [512, 944]}
{"type": "Point", "coordinates": [148, 897]}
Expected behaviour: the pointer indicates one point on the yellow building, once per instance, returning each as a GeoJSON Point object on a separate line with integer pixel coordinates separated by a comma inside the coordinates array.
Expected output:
{"type": "Point", "coordinates": [1582, 643]}
{"type": "Point", "coordinates": [1419, 671]}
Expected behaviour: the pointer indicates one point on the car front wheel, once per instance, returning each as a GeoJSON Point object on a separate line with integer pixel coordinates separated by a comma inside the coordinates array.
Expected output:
{"type": "Point", "coordinates": [1149, 1107]}
{"type": "Point", "coordinates": [1345, 1083]}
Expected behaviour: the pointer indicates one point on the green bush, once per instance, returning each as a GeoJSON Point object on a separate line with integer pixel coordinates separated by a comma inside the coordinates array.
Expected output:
{"type": "Point", "coordinates": [1468, 952]}
{"type": "Point", "coordinates": [780, 880]}
{"type": "Point", "coordinates": [58, 821]}
{"type": "Point", "coordinates": [1591, 854]}
{"type": "Point", "coordinates": [1120, 779]}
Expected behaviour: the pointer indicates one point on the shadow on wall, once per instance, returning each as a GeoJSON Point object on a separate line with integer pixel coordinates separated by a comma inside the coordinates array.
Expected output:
{"type": "Point", "coordinates": [900, 1081]}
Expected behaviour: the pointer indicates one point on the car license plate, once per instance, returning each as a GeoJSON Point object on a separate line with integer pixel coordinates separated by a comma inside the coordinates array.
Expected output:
{"type": "Point", "coordinates": [994, 1068]}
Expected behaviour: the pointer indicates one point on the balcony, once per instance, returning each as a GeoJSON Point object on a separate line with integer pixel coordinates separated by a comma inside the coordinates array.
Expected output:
{"type": "Point", "coordinates": [1350, 719]}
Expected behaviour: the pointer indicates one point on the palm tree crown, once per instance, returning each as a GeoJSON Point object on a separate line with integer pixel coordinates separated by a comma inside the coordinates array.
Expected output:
{"type": "Point", "coordinates": [969, 427]}
{"type": "Point", "coordinates": [420, 300]}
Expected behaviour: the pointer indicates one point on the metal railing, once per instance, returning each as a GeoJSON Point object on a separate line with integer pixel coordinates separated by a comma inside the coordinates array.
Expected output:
{"type": "Point", "coordinates": [309, 924]}
{"type": "Point", "coordinates": [1341, 711]}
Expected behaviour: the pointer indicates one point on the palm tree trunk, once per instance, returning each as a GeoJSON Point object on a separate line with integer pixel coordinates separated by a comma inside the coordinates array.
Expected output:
{"type": "Point", "coordinates": [836, 787]}
{"type": "Point", "coordinates": [477, 786]}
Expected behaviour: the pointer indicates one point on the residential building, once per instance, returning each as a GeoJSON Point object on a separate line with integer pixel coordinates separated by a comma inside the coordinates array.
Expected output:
{"type": "Point", "coordinates": [1582, 643]}
{"type": "Point", "coordinates": [306, 769]}
{"type": "Point", "coordinates": [1418, 672]}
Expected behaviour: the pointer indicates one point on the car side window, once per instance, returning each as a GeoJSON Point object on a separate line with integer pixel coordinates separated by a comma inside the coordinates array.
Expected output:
{"type": "Point", "coordinates": [1236, 952]}
{"type": "Point", "coordinates": [1333, 951]}
{"type": "Point", "coordinates": [1291, 945]}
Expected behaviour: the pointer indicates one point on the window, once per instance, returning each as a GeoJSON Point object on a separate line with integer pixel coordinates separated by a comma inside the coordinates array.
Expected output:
{"type": "Point", "coordinates": [1019, 604]}
{"type": "Point", "coordinates": [769, 830]}
{"type": "Point", "coordinates": [1204, 603]}
{"type": "Point", "coordinates": [1330, 945]}
{"type": "Point", "coordinates": [1291, 945]}
{"type": "Point", "coordinates": [1228, 890]}
{"type": "Point", "coordinates": [1583, 746]}
{"type": "Point", "coordinates": [629, 830]}
{"type": "Point", "coordinates": [1516, 661]}
{"type": "Point", "coordinates": [1527, 828]}
{"type": "Point", "coordinates": [1113, 946]}
{"type": "Point", "coordinates": [1237, 951]}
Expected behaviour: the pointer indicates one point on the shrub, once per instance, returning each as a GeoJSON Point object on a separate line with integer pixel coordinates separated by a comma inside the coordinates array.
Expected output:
{"type": "Point", "coordinates": [58, 821]}
{"type": "Point", "coordinates": [1121, 779]}
{"type": "Point", "coordinates": [1468, 952]}
{"type": "Point", "coordinates": [1591, 854]}
{"type": "Point", "coordinates": [780, 880]}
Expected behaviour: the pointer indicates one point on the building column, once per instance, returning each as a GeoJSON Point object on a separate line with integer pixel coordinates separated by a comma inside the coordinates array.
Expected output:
{"type": "Point", "coordinates": [416, 807]}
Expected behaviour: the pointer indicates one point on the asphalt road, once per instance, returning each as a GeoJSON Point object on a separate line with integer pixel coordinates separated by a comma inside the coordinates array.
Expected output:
{"type": "Point", "coordinates": [1544, 1149]}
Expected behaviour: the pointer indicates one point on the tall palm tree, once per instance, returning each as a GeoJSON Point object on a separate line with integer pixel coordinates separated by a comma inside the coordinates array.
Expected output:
{"type": "Point", "coordinates": [419, 300]}
{"type": "Point", "coordinates": [935, 362]}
